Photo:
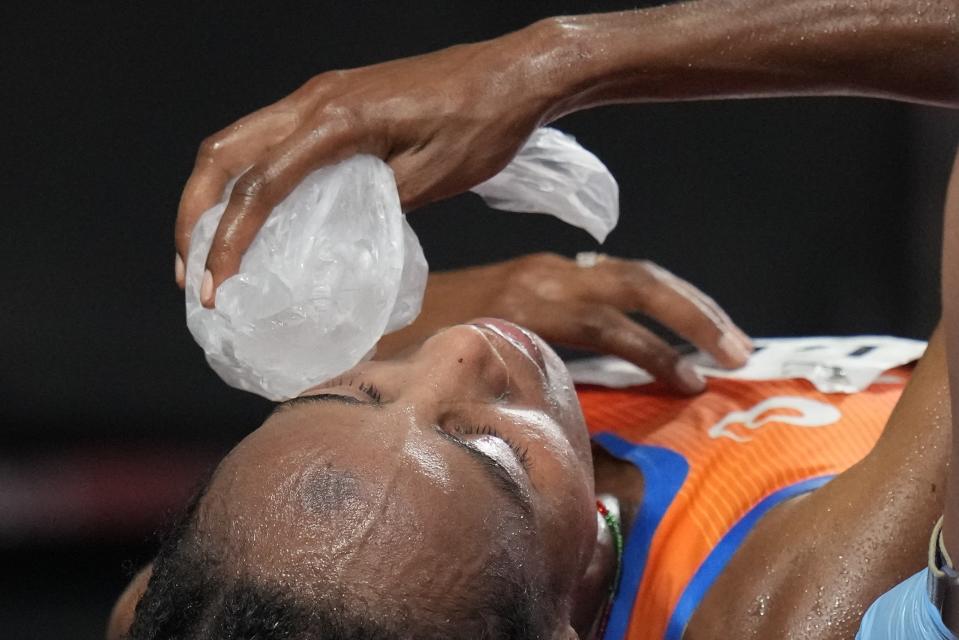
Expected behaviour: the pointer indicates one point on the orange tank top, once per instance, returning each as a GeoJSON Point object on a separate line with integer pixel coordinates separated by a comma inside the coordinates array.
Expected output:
{"type": "Point", "coordinates": [713, 465]}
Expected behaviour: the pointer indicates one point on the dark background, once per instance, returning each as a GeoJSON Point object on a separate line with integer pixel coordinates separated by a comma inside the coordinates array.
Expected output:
{"type": "Point", "coordinates": [812, 216]}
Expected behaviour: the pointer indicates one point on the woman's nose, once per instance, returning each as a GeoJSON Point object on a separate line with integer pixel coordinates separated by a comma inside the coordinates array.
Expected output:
{"type": "Point", "coordinates": [462, 363]}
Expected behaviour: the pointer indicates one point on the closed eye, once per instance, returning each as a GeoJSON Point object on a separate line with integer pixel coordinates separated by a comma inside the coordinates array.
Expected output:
{"type": "Point", "coordinates": [522, 453]}
{"type": "Point", "coordinates": [366, 388]}
{"type": "Point", "coordinates": [503, 480]}
{"type": "Point", "coordinates": [319, 397]}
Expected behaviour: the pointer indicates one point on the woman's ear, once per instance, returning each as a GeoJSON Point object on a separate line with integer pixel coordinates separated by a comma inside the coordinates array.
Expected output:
{"type": "Point", "coordinates": [122, 615]}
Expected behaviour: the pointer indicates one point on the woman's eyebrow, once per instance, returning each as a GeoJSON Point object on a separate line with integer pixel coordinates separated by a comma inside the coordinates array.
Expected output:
{"type": "Point", "coordinates": [321, 397]}
{"type": "Point", "coordinates": [497, 473]}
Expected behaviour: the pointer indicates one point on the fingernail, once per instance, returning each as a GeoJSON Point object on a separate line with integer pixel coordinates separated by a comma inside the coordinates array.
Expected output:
{"type": "Point", "coordinates": [206, 289]}
{"type": "Point", "coordinates": [692, 379]}
{"type": "Point", "coordinates": [179, 269]}
{"type": "Point", "coordinates": [733, 348]}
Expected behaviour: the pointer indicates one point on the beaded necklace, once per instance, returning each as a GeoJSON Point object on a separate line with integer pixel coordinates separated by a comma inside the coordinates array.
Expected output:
{"type": "Point", "coordinates": [616, 531]}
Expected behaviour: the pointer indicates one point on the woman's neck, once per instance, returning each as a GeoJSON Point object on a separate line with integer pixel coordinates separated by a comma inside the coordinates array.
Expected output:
{"type": "Point", "coordinates": [620, 479]}
{"type": "Point", "coordinates": [624, 483]}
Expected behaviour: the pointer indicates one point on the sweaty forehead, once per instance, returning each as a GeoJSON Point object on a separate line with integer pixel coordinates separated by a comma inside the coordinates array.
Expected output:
{"type": "Point", "coordinates": [334, 489]}
{"type": "Point", "coordinates": [328, 489]}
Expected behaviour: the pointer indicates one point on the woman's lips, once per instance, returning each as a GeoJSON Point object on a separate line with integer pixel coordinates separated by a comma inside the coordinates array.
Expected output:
{"type": "Point", "coordinates": [517, 337]}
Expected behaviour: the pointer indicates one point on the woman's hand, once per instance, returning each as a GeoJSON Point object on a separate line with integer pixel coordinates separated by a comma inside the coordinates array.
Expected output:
{"type": "Point", "coordinates": [448, 120]}
{"type": "Point", "coordinates": [443, 121]}
{"type": "Point", "coordinates": [585, 308]}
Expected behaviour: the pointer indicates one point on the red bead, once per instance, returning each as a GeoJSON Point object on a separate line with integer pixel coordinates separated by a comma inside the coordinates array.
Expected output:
{"type": "Point", "coordinates": [603, 511]}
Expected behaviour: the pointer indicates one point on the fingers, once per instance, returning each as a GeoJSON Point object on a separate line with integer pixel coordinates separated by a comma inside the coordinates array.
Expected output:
{"type": "Point", "coordinates": [222, 157]}
{"type": "Point", "coordinates": [202, 191]}
{"type": "Point", "coordinates": [606, 329]}
{"type": "Point", "coordinates": [651, 290]}
{"type": "Point", "coordinates": [708, 302]}
{"type": "Point", "coordinates": [260, 189]}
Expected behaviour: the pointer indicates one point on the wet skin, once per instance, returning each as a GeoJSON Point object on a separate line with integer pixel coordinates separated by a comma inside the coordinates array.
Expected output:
{"type": "Point", "coordinates": [410, 478]}
{"type": "Point", "coordinates": [811, 566]}
{"type": "Point", "coordinates": [567, 304]}
{"type": "Point", "coordinates": [383, 497]}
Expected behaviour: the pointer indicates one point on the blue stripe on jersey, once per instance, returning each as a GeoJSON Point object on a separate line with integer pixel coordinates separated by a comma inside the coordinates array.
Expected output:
{"type": "Point", "coordinates": [664, 472]}
{"type": "Point", "coordinates": [721, 555]}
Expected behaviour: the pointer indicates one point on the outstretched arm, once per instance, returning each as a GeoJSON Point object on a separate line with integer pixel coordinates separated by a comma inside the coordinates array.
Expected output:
{"type": "Point", "coordinates": [448, 120]}
{"type": "Point", "coordinates": [732, 49]}
{"type": "Point", "coordinates": [950, 315]}
{"type": "Point", "coordinates": [821, 560]}
{"type": "Point", "coordinates": [813, 565]}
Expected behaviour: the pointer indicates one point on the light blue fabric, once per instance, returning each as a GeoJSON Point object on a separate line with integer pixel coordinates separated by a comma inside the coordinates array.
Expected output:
{"type": "Point", "coordinates": [904, 613]}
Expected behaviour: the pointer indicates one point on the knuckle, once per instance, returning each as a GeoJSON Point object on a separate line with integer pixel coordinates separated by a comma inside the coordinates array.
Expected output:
{"type": "Point", "coordinates": [646, 264]}
{"type": "Point", "coordinates": [221, 252]}
{"type": "Point", "coordinates": [646, 280]}
{"type": "Point", "coordinates": [646, 271]}
{"type": "Point", "coordinates": [210, 148]}
{"type": "Point", "coordinates": [596, 325]}
{"type": "Point", "coordinates": [313, 84]}
{"type": "Point", "coordinates": [547, 257]}
{"type": "Point", "coordinates": [653, 353]}
{"type": "Point", "coordinates": [251, 185]}
{"type": "Point", "coordinates": [590, 331]}
{"type": "Point", "coordinates": [652, 273]}
{"type": "Point", "coordinates": [641, 290]}
{"type": "Point", "coordinates": [539, 265]}
{"type": "Point", "coordinates": [319, 83]}
{"type": "Point", "coordinates": [337, 112]}
{"type": "Point", "coordinates": [662, 361]}
{"type": "Point", "coordinates": [654, 298]}
{"type": "Point", "coordinates": [540, 259]}
{"type": "Point", "coordinates": [329, 76]}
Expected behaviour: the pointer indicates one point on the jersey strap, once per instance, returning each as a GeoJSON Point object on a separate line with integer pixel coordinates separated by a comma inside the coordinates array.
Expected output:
{"type": "Point", "coordinates": [664, 472]}
{"type": "Point", "coordinates": [713, 566]}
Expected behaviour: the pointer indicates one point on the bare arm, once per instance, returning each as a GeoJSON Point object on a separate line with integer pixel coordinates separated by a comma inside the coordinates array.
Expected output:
{"type": "Point", "coordinates": [814, 565]}
{"type": "Point", "coordinates": [817, 563]}
{"type": "Point", "coordinates": [732, 49]}
{"type": "Point", "coordinates": [448, 120]}
{"type": "Point", "coordinates": [950, 314]}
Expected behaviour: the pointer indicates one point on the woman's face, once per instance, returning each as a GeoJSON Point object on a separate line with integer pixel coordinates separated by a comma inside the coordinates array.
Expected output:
{"type": "Point", "coordinates": [409, 478]}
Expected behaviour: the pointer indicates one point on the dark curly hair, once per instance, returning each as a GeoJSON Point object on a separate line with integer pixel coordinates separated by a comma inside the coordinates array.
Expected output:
{"type": "Point", "coordinates": [190, 596]}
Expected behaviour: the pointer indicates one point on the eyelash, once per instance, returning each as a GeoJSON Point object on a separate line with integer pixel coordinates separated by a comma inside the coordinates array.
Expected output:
{"type": "Point", "coordinates": [368, 389]}
{"type": "Point", "coordinates": [467, 430]}
{"type": "Point", "coordinates": [486, 430]}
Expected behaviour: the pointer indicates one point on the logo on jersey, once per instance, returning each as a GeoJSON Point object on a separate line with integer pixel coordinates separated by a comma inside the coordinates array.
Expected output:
{"type": "Point", "coordinates": [791, 410]}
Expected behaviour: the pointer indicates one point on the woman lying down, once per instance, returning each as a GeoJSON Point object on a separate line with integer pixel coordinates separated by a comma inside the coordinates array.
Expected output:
{"type": "Point", "coordinates": [462, 487]}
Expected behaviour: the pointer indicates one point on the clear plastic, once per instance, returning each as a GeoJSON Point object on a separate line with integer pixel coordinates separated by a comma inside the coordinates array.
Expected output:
{"type": "Point", "coordinates": [336, 266]}
{"type": "Point", "coordinates": [553, 174]}
{"type": "Point", "coordinates": [317, 288]}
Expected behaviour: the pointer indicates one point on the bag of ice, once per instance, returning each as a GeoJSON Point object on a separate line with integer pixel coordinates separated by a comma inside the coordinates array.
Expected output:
{"type": "Point", "coordinates": [336, 265]}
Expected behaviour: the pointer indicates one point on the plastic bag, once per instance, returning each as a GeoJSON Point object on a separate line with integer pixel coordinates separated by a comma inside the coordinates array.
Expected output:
{"type": "Point", "coordinates": [904, 613]}
{"type": "Point", "coordinates": [336, 265]}
{"type": "Point", "coordinates": [318, 286]}
{"type": "Point", "coordinates": [553, 174]}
